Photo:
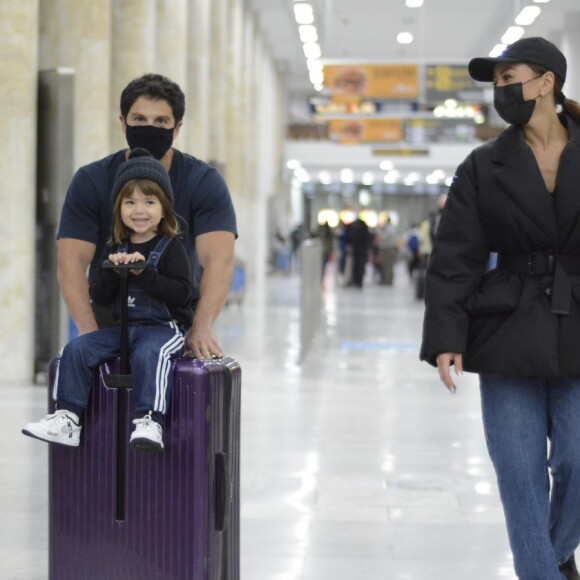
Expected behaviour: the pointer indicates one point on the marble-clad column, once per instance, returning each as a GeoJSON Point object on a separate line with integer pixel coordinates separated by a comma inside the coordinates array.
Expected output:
{"type": "Point", "coordinates": [197, 91]}
{"type": "Point", "coordinates": [92, 81]}
{"type": "Point", "coordinates": [133, 53]}
{"type": "Point", "coordinates": [76, 34]}
{"type": "Point", "coordinates": [18, 81]}
{"type": "Point", "coordinates": [570, 46]}
{"type": "Point", "coordinates": [218, 83]}
{"type": "Point", "coordinates": [171, 46]}
{"type": "Point", "coordinates": [250, 92]}
{"type": "Point", "coordinates": [234, 104]}
{"type": "Point", "coordinates": [242, 132]}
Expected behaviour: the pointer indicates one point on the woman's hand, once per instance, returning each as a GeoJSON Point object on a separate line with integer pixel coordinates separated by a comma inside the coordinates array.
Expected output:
{"type": "Point", "coordinates": [444, 361]}
{"type": "Point", "coordinates": [123, 258]}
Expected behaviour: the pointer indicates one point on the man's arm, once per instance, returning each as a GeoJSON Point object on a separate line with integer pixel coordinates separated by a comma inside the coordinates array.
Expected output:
{"type": "Point", "coordinates": [215, 251]}
{"type": "Point", "coordinates": [74, 257]}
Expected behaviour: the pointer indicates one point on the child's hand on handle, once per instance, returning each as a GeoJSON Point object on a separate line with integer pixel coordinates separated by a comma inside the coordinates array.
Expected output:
{"type": "Point", "coordinates": [124, 258]}
{"type": "Point", "coordinates": [444, 361]}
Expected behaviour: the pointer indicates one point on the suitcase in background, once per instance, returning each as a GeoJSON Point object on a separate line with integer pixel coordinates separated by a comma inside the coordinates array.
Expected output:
{"type": "Point", "coordinates": [120, 514]}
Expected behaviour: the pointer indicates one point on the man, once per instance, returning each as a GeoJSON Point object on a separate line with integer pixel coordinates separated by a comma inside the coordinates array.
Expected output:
{"type": "Point", "coordinates": [152, 110]}
{"type": "Point", "coordinates": [358, 239]}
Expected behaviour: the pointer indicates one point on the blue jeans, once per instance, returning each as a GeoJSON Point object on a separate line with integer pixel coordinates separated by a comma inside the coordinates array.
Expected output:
{"type": "Point", "coordinates": [151, 349]}
{"type": "Point", "coordinates": [520, 415]}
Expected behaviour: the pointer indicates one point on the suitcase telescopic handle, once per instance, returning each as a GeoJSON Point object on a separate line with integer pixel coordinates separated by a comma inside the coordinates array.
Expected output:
{"type": "Point", "coordinates": [123, 379]}
{"type": "Point", "coordinates": [141, 265]}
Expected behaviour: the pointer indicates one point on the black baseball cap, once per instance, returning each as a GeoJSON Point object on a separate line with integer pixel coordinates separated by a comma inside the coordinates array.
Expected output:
{"type": "Point", "coordinates": [532, 50]}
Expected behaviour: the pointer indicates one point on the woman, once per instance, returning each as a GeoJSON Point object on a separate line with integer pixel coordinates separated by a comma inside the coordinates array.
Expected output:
{"type": "Point", "coordinates": [518, 325]}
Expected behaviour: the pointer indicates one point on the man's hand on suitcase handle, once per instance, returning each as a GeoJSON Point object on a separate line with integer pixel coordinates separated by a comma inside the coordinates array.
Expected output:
{"type": "Point", "coordinates": [202, 343]}
{"type": "Point", "coordinates": [135, 262]}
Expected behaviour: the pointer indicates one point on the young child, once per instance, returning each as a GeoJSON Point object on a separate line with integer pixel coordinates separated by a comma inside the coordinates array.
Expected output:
{"type": "Point", "coordinates": [159, 310]}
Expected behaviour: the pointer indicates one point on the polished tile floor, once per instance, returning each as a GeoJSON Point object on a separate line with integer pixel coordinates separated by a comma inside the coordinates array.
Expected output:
{"type": "Point", "coordinates": [356, 464]}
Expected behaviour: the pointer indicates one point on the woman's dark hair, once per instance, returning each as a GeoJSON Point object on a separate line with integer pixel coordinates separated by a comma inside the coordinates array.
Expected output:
{"type": "Point", "coordinates": [168, 226]}
{"type": "Point", "coordinates": [571, 107]}
{"type": "Point", "coordinates": [156, 87]}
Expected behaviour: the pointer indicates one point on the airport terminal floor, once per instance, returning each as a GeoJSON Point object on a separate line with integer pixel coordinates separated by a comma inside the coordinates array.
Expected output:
{"type": "Point", "coordinates": [356, 465]}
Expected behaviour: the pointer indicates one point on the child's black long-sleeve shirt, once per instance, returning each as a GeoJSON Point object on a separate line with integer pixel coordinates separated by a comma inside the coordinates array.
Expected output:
{"type": "Point", "coordinates": [170, 282]}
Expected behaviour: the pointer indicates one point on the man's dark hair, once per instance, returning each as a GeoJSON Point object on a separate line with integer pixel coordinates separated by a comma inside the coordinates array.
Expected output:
{"type": "Point", "coordinates": [156, 87]}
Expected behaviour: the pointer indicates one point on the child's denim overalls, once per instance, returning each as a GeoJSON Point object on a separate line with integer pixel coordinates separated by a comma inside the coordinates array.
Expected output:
{"type": "Point", "coordinates": [154, 339]}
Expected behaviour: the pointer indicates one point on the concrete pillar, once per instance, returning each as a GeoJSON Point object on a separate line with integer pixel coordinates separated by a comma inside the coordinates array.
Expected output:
{"type": "Point", "coordinates": [18, 83]}
{"type": "Point", "coordinates": [197, 110]}
{"type": "Point", "coordinates": [133, 53]}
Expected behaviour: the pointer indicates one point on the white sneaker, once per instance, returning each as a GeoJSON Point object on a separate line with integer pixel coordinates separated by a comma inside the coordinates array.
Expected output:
{"type": "Point", "coordinates": [61, 427]}
{"type": "Point", "coordinates": [148, 435]}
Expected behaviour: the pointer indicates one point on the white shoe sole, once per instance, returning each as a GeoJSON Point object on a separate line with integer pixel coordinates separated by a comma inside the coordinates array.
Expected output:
{"type": "Point", "coordinates": [58, 441]}
{"type": "Point", "coordinates": [145, 444]}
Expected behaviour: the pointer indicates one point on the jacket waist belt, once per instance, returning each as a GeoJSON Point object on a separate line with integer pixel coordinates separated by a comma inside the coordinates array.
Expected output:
{"type": "Point", "coordinates": [544, 263]}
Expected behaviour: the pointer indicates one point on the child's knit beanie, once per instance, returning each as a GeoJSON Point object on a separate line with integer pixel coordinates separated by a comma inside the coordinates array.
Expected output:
{"type": "Point", "coordinates": [142, 165]}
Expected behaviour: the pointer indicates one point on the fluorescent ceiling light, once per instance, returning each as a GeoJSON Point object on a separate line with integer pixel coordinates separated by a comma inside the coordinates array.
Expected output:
{"type": "Point", "coordinates": [302, 175]}
{"type": "Point", "coordinates": [313, 64]}
{"type": "Point", "coordinates": [364, 197]}
{"type": "Point", "coordinates": [308, 32]}
{"type": "Point", "coordinates": [414, 3]}
{"type": "Point", "coordinates": [386, 165]}
{"type": "Point", "coordinates": [528, 15]}
{"type": "Point", "coordinates": [303, 13]}
{"type": "Point", "coordinates": [346, 176]}
{"type": "Point", "coordinates": [293, 164]}
{"type": "Point", "coordinates": [324, 177]}
{"type": "Point", "coordinates": [497, 50]}
{"type": "Point", "coordinates": [312, 50]}
{"type": "Point", "coordinates": [368, 178]}
{"type": "Point", "coordinates": [541, 1]}
{"type": "Point", "coordinates": [512, 34]}
{"type": "Point", "coordinates": [316, 77]}
{"type": "Point", "coordinates": [404, 38]}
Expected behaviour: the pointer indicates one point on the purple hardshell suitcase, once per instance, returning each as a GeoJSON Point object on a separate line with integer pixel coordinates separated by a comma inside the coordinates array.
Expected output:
{"type": "Point", "coordinates": [121, 514]}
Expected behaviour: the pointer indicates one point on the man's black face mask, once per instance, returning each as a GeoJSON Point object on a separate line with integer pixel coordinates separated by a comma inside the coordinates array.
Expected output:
{"type": "Point", "coordinates": [157, 140]}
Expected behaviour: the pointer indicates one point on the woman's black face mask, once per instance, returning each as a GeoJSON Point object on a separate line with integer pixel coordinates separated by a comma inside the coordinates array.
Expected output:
{"type": "Point", "coordinates": [509, 103]}
{"type": "Point", "coordinates": [157, 140]}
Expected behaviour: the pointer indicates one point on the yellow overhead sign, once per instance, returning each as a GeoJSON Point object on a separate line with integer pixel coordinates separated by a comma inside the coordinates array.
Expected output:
{"type": "Point", "coordinates": [384, 81]}
{"type": "Point", "coordinates": [366, 130]}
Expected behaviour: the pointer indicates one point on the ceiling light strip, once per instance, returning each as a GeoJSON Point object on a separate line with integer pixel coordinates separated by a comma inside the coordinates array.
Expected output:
{"type": "Point", "coordinates": [304, 16]}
